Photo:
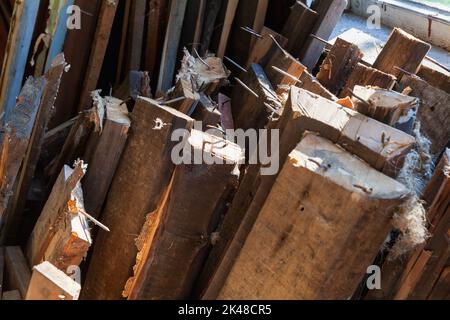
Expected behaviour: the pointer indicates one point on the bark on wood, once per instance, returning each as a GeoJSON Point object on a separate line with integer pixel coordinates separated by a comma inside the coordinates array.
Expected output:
{"type": "Point", "coordinates": [140, 180]}
{"type": "Point", "coordinates": [366, 76]}
{"type": "Point", "coordinates": [329, 13]}
{"type": "Point", "coordinates": [338, 65]}
{"type": "Point", "coordinates": [173, 234]}
{"type": "Point", "coordinates": [17, 270]}
{"type": "Point", "coordinates": [109, 145]}
{"type": "Point", "coordinates": [331, 251]}
{"type": "Point", "coordinates": [61, 235]}
{"type": "Point", "coordinates": [298, 27]}
{"type": "Point", "coordinates": [402, 50]}
{"type": "Point", "coordinates": [434, 112]}
{"type": "Point", "coordinates": [15, 142]}
{"type": "Point", "coordinates": [50, 283]}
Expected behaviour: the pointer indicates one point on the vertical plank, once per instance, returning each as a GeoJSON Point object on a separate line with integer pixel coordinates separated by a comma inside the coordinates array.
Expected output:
{"type": "Point", "coordinates": [170, 48]}
{"type": "Point", "coordinates": [14, 144]}
{"type": "Point", "coordinates": [402, 50]}
{"type": "Point", "coordinates": [100, 43]}
{"type": "Point", "coordinates": [59, 35]}
{"type": "Point", "coordinates": [302, 247]}
{"type": "Point", "coordinates": [61, 234]}
{"type": "Point", "coordinates": [13, 295]}
{"type": "Point", "coordinates": [211, 14]}
{"type": "Point", "coordinates": [77, 49]}
{"type": "Point", "coordinates": [227, 24]}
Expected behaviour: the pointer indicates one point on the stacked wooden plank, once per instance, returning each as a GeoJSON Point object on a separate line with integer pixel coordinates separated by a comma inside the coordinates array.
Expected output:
{"type": "Point", "coordinates": [125, 166]}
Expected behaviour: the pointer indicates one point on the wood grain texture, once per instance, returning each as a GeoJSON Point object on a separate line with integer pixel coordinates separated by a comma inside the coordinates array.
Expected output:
{"type": "Point", "coordinates": [61, 235]}
{"type": "Point", "coordinates": [156, 30]}
{"type": "Point", "coordinates": [140, 180]}
{"type": "Point", "coordinates": [49, 283]}
{"type": "Point", "coordinates": [170, 48]}
{"type": "Point", "coordinates": [338, 65]}
{"type": "Point", "coordinates": [14, 144]}
{"type": "Point", "coordinates": [241, 42]}
{"type": "Point", "coordinates": [16, 53]}
{"type": "Point", "coordinates": [434, 112]}
{"type": "Point", "coordinates": [18, 272]}
{"type": "Point", "coordinates": [386, 106]}
{"type": "Point", "coordinates": [435, 76]}
{"type": "Point", "coordinates": [227, 24]}
{"type": "Point", "coordinates": [303, 111]}
{"type": "Point", "coordinates": [329, 13]}
{"type": "Point", "coordinates": [182, 228]}
{"type": "Point", "coordinates": [298, 27]}
{"type": "Point", "coordinates": [366, 76]}
{"type": "Point", "coordinates": [109, 145]}
{"type": "Point", "coordinates": [77, 52]}
{"type": "Point", "coordinates": [2, 269]}
{"type": "Point", "coordinates": [310, 83]}
{"type": "Point", "coordinates": [401, 50]}
{"type": "Point", "coordinates": [249, 110]}
{"type": "Point", "coordinates": [264, 47]}
{"type": "Point", "coordinates": [282, 60]}
{"type": "Point", "coordinates": [33, 152]}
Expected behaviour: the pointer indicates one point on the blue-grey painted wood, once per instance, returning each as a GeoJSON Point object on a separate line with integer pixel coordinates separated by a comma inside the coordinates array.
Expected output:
{"type": "Point", "coordinates": [14, 69]}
